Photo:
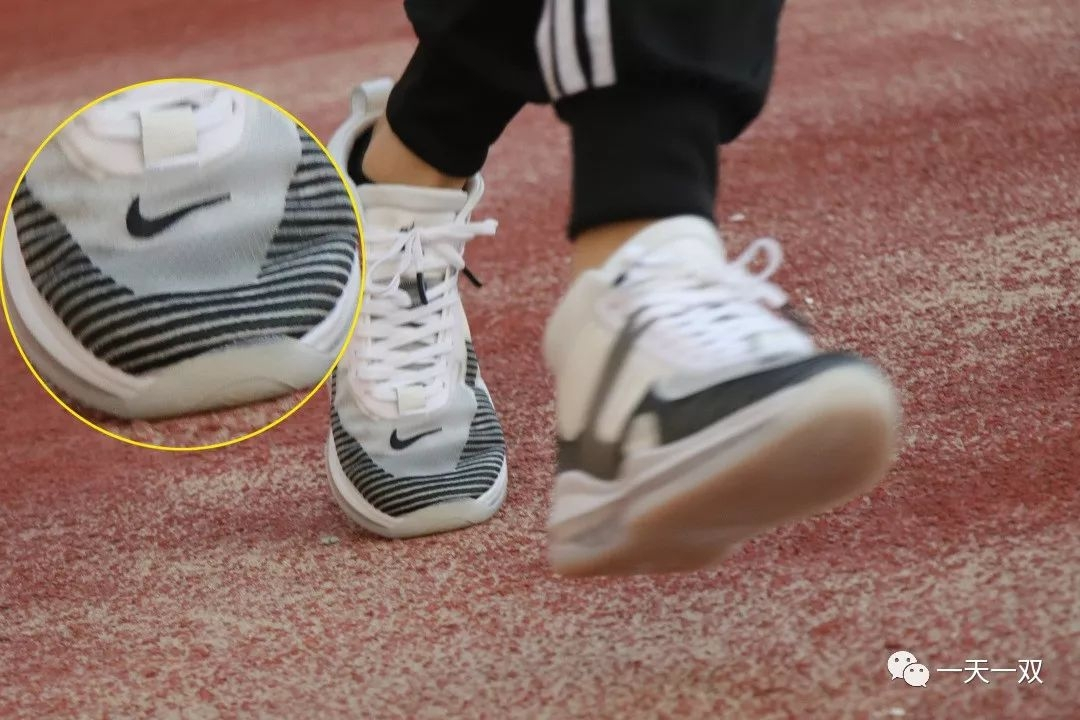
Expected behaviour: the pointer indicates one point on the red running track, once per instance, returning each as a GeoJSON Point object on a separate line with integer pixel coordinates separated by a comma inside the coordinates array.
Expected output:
{"type": "Point", "coordinates": [918, 161]}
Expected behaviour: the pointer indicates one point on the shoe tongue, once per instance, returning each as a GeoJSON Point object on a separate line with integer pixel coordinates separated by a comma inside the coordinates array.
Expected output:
{"type": "Point", "coordinates": [395, 207]}
{"type": "Point", "coordinates": [693, 240]}
{"type": "Point", "coordinates": [401, 206]}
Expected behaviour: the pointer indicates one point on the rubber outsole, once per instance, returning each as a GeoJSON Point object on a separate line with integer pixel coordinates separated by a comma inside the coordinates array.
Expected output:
{"type": "Point", "coordinates": [817, 446]}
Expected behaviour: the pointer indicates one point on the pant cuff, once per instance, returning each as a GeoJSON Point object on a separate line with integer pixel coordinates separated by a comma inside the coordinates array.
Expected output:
{"type": "Point", "coordinates": [641, 154]}
{"type": "Point", "coordinates": [446, 114]}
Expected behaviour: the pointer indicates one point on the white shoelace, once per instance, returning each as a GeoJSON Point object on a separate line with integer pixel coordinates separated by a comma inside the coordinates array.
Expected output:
{"type": "Point", "coordinates": [691, 301]}
{"type": "Point", "coordinates": [401, 347]}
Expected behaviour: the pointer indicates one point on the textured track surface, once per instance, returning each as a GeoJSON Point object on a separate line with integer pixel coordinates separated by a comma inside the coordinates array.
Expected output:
{"type": "Point", "coordinates": [918, 161]}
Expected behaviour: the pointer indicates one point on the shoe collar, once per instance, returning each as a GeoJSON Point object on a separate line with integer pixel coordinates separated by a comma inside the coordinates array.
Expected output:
{"type": "Point", "coordinates": [155, 126]}
{"type": "Point", "coordinates": [397, 206]}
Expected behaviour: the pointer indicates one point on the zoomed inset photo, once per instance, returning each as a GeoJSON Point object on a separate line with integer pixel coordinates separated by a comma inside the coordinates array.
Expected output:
{"type": "Point", "coordinates": [181, 264]}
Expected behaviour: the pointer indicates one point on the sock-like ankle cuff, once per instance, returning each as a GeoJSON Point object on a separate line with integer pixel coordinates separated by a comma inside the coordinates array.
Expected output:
{"type": "Point", "coordinates": [641, 154]}
{"type": "Point", "coordinates": [355, 164]}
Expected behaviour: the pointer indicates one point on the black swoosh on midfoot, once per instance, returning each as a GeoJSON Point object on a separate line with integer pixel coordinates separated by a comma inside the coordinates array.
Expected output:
{"type": "Point", "coordinates": [143, 227]}
{"type": "Point", "coordinates": [400, 444]}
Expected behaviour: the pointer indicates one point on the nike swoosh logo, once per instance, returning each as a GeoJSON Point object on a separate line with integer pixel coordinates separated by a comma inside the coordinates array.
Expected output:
{"type": "Point", "coordinates": [402, 443]}
{"type": "Point", "coordinates": [601, 458]}
{"type": "Point", "coordinates": [144, 227]}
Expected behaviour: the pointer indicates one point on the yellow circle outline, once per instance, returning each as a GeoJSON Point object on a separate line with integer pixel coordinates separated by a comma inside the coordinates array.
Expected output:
{"type": "Point", "coordinates": [356, 314]}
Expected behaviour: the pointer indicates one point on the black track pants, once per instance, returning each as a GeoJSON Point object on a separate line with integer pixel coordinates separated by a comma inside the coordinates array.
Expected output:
{"type": "Point", "coordinates": [649, 88]}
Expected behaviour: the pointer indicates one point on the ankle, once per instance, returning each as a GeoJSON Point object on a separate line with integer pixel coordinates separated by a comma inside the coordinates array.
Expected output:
{"type": "Point", "coordinates": [388, 160]}
{"type": "Point", "coordinates": [594, 246]}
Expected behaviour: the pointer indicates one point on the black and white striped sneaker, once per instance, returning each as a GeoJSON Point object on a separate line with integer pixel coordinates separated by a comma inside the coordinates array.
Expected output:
{"type": "Point", "coordinates": [693, 412]}
{"type": "Point", "coordinates": [181, 247]}
{"type": "Point", "coordinates": [415, 446]}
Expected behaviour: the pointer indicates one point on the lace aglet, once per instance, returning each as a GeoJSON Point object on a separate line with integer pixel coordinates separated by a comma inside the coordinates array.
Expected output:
{"type": "Point", "coordinates": [421, 288]}
{"type": "Point", "coordinates": [472, 278]}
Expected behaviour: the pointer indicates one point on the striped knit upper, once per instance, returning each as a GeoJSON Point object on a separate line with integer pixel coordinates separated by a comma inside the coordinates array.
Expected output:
{"type": "Point", "coordinates": [302, 277]}
{"type": "Point", "coordinates": [481, 460]}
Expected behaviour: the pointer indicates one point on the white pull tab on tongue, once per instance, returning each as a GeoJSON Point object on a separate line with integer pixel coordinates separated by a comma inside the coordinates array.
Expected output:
{"type": "Point", "coordinates": [169, 136]}
{"type": "Point", "coordinates": [163, 125]}
{"type": "Point", "coordinates": [411, 399]}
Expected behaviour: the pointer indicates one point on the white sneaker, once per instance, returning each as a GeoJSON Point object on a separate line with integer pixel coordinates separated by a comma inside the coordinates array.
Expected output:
{"type": "Point", "coordinates": [415, 446]}
{"type": "Point", "coordinates": [693, 413]}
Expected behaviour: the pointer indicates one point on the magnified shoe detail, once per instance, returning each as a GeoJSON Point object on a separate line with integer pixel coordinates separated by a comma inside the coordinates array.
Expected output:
{"type": "Point", "coordinates": [181, 247]}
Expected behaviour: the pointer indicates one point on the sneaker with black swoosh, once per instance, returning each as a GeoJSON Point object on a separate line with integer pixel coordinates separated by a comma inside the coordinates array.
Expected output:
{"type": "Point", "coordinates": [181, 247]}
{"type": "Point", "coordinates": [694, 411]}
{"type": "Point", "coordinates": [415, 446]}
